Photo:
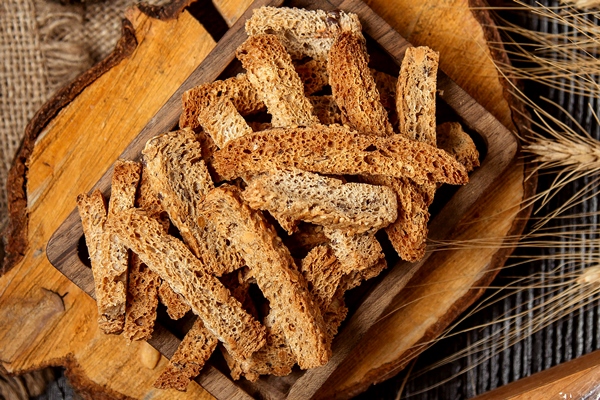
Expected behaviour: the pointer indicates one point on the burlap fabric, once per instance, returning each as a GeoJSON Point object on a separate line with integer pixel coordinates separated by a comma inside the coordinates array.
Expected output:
{"type": "Point", "coordinates": [44, 45]}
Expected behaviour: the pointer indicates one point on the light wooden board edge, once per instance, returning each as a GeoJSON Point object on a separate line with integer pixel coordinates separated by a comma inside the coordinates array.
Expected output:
{"type": "Point", "coordinates": [575, 379]}
{"type": "Point", "coordinates": [499, 154]}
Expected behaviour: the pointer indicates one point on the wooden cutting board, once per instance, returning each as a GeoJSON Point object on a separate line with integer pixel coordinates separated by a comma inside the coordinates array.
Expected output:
{"type": "Point", "coordinates": [50, 321]}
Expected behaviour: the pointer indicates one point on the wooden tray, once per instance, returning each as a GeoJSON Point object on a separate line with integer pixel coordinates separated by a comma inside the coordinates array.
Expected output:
{"type": "Point", "coordinates": [500, 148]}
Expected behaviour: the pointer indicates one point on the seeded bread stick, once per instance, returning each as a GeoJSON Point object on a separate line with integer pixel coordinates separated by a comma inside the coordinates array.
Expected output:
{"type": "Point", "coordinates": [275, 272]}
{"type": "Point", "coordinates": [353, 86]}
{"type": "Point", "coordinates": [179, 175]}
{"type": "Point", "coordinates": [239, 332]}
{"type": "Point", "coordinates": [295, 195]}
{"type": "Point", "coordinates": [270, 70]}
{"type": "Point", "coordinates": [92, 209]}
{"type": "Point", "coordinates": [415, 94]}
{"type": "Point", "coordinates": [336, 150]}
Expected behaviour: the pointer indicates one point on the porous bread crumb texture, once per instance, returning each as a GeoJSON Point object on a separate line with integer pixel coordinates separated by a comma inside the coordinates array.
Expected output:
{"type": "Point", "coordinates": [296, 195]}
{"type": "Point", "coordinates": [178, 174]}
{"type": "Point", "coordinates": [275, 272]}
{"type": "Point", "coordinates": [335, 314]}
{"type": "Point", "coordinates": [113, 269]}
{"type": "Point", "coordinates": [222, 121]}
{"type": "Point", "coordinates": [176, 305]}
{"type": "Point", "coordinates": [92, 210]}
{"type": "Point", "coordinates": [239, 332]}
{"type": "Point", "coordinates": [142, 282]}
{"type": "Point", "coordinates": [327, 285]}
{"type": "Point", "coordinates": [290, 56]}
{"type": "Point", "coordinates": [415, 94]}
{"type": "Point", "coordinates": [336, 150]}
{"type": "Point", "coordinates": [142, 300]}
{"type": "Point", "coordinates": [323, 272]}
{"type": "Point", "coordinates": [270, 70]}
{"type": "Point", "coordinates": [408, 233]}
{"type": "Point", "coordinates": [415, 108]}
{"type": "Point", "coordinates": [237, 89]}
{"type": "Point", "coordinates": [355, 252]}
{"type": "Point", "coordinates": [189, 358]}
{"type": "Point", "coordinates": [125, 180]}
{"type": "Point", "coordinates": [147, 199]}
{"type": "Point", "coordinates": [354, 88]}
{"type": "Point", "coordinates": [452, 138]}
{"type": "Point", "coordinates": [357, 94]}
{"type": "Point", "coordinates": [314, 75]}
{"type": "Point", "coordinates": [275, 358]}
{"type": "Point", "coordinates": [110, 259]}
{"type": "Point", "coordinates": [304, 33]}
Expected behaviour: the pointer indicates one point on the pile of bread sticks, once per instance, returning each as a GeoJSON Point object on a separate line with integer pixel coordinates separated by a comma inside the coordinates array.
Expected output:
{"type": "Point", "coordinates": [278, 179]}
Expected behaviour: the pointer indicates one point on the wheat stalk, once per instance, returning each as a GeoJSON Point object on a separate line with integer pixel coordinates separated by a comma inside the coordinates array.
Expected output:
{"type": "Point", "coordinates": [571, 153]}
{"type": "Point", "coordinates": [555, 60]}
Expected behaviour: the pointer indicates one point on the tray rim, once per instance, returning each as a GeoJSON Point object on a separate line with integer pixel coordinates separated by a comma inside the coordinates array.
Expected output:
{"type": "Point", "coordinates": [448, 90]}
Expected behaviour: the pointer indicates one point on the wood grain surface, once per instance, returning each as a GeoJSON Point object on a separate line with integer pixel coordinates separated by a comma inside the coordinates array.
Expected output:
{"type": "Point", "coordinates": [575, 379]}
{"type": "Point", "coordinates": [48, 320]}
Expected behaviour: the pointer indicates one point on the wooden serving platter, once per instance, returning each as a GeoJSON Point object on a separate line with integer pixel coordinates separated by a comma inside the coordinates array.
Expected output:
{"type": "Point", "coordinates": [498, 143]}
